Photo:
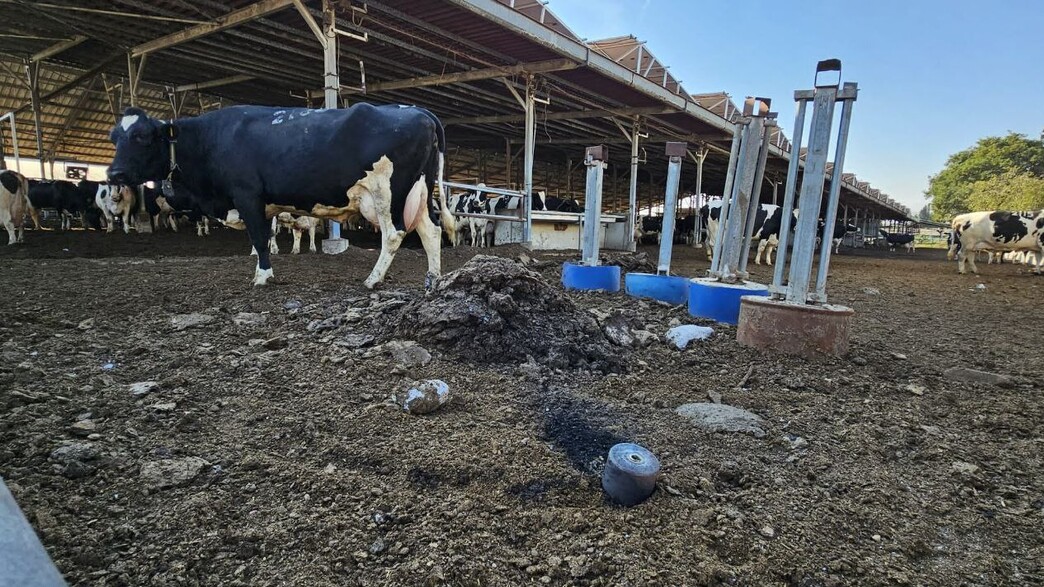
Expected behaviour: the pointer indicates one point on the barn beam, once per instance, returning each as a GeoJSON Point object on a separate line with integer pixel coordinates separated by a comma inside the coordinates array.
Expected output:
{"type": "Point", "coordinates": [224, 81]}
{"type": "Point", "coordinates": [571, 115]}
{"type": "Point", "coordinates": [474, 75]}
{"type": "Point", "coordinates": [234, 18]}
{"type": "Point", "coordinates": [73, 83]}
{"type": "Point", "coordinates": [57, 48]}
{"type": "Point", "coordinates": [74, 116]}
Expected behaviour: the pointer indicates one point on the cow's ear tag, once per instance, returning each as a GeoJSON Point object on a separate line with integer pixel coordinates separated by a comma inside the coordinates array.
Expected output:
{"type": "Point", "coordinates": [167, 187]}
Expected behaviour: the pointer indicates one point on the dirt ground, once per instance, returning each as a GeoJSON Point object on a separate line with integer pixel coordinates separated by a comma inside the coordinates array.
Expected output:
{"type": "Point", "coordinates": [267, 452]}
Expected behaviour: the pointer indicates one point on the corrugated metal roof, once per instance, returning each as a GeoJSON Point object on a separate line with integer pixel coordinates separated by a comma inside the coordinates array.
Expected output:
{"type": "Point", "coordinates": [407, 38]}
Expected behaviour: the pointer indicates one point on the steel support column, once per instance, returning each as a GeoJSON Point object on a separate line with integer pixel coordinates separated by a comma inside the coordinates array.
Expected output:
{"type": "Point", "coordinates": [595, 162]}
{"type": "Point", "coordinates": [530, 146]}
{"type": "Point", "coordinates": [675, 152]}
{"type": "Point", "coordinates": [632, 189]}
{"type": "Point", "coordinates": [32, 72]}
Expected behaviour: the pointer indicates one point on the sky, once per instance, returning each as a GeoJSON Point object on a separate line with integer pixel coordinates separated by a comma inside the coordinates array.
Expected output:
{"type": "Point", "coordinates": [934, 75]}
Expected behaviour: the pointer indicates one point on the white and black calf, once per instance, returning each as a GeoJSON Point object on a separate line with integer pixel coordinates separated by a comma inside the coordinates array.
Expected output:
{"type": "Point", "coordinates": [996, 231]}
{"type": "Point", "coordinates": [382, 162]}
{"type": "Point", "coordinates": [116, 201]}
{"type": "Point", "coordinates": [896, 240]}
{"type": "Point", "coordinates": [297, 226]}
{"type": "Point", "coordinates": [14, 203]}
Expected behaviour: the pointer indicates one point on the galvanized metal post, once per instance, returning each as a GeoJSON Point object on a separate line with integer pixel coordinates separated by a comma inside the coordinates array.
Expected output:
{"type": "Point", "coordinates": [331, 80]}
{"type": "Point", "coordinates": [737, 218]}
{"type": "Point", "coordinates": [701, 156]}
{"type": "Point", "coordinates": [632, 193]}
{"type": "Point", "coordinates": [847, 97]}
{"type": "Point", "coordinates": [675, 152]}
{"type": "Point", "coordinates": [811, 200]}
{"type": "Point", "coordinates": [32, 72]}
{"type": "Point", "coordinates": [802, 98]}
{"type": "Point", "coordinates": [10, 116]}
{"type": "Point", "coordinates": [594, 159]}
{"type": "Point", "coordinates": [739, 130]}
{"type": "Point", "coordinates": [530, 148]}
{"type": "Point", "coordinates": [755, 196]}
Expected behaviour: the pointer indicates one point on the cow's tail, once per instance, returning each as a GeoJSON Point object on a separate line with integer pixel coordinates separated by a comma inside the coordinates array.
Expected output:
{"type": "Point", "coordinates": [955, 240]}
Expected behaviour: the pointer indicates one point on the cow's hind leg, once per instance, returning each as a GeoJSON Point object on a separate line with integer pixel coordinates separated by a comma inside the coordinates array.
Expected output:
{"type": "Point", "coordinates": [273, 247]}
{"type": "Point", "coordinates": [311, 236]}
{"type": "Point", "coordinates": [431, 239]}
{"type": "Point", "coordinates": [391, 239]}
{"type": "Point", "coordinates": [12, 238]}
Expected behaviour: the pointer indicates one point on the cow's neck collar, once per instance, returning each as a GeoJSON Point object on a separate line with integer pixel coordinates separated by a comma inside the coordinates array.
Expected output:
{"type": "Point", "coordinates": [167, 185]}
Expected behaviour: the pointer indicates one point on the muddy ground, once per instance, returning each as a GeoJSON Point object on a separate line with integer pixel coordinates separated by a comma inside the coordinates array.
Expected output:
{"type": "Point", "coordinates": [268, 453]}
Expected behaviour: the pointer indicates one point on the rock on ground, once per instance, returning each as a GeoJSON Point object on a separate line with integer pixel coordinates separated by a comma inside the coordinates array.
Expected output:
{"type": "Point", "coordinates": [171, 473]}
{"type": "Point", "coordinates": [975, 376]}
{"type": "Point", "coordinates": [681, 336]}
{"type": "Point", "coordinates": [494, 310]}
{"type": "Point", "coordinates": [184, 321]}
{"type": "Point", "coordinates": [722, 418]}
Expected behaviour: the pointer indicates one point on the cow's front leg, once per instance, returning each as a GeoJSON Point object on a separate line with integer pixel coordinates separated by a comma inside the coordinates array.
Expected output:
{"type": "Point", "coordinates": [252, 212]}
{"type": "Point", "coordinates": [311, 236]}
{"type": "Point", "coordinates": [297, 241]}
{"type": "Point", "coordinates": [126, 221]}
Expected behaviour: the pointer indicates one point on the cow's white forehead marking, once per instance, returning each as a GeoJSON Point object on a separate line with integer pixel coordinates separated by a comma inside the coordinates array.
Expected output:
{"type": "Point", "coordinates": [128, 121]}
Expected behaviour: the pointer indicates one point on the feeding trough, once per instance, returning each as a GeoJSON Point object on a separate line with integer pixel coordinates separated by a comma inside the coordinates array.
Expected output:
{"type": "Point", "coordinates": [796, 320]}
{"type": "Point", "coordinates": [588, 274]}
{"type": "Point", "coordinates": [717, 296]}
{"type": "Point", "coordinates": [662, 285]}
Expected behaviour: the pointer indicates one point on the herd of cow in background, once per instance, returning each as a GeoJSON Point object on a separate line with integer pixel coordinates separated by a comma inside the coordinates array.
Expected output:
{"type": "Point", "coordinates": [1001, 236]}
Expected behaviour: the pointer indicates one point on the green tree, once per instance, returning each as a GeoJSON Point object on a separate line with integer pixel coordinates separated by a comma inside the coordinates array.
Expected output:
{"type": "Point", "coordinates": [1010, 191]}
{"type": "Point", "coordinates": [925, 213]}
{"type": "Point", "coordinates": [950, 190]}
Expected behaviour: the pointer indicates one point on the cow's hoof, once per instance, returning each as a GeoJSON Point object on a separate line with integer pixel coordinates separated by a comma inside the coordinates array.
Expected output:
{"type": "Point", "coordinates": [261, 276]}
{"type": "Point", "coordinates": [429, 282]}
{"type": "Point", "coordinates": [370, 283]}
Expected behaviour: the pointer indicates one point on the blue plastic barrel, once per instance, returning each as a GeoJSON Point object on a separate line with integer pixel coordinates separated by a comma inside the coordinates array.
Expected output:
{"type": "Point", "coordinates": [712, 299]}
{"type": "Point", "coordinates": [672, 289]}
{"type": "Point", "coordinates": [583, 277]}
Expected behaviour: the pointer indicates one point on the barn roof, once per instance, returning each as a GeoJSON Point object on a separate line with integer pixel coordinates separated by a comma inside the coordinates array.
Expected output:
{"type": "Point", "coordinates": [463, 59]}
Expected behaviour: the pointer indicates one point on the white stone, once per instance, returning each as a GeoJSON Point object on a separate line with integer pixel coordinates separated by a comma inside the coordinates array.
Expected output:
{"type": "Point", "coordinates": [681, 336]}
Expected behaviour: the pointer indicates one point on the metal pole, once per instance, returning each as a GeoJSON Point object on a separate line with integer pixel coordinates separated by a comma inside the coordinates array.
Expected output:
{"type": "Point", "coordinates": [632, 193]}
{"type": "Point", "coordinates": [530, 148]}
{"type": "Point", "coordinates": [675, 151]}
{"type": "Point", "coordinates": [811, 193]}
{"type": "Point", "coordinates": [595, 162]}
{"type": "Point", "coordinates": [755, 200]}
{"type": "Point", "coordinates": [741, 197]}
{"type": "Point", "coordinates": [825, 249]}
{"type": "Point", "coordinates": [10, 116]}
{"type": "Point", "coordinates": [331, 80]}
{"type": "Point", "coordinates": [32, 72]}
{"type": "Point", "coordinates": [738, 130]}
{"type": "Point", "coordinates": [698, 221]}
{"type": "Point", "coordinates": [788, 192]}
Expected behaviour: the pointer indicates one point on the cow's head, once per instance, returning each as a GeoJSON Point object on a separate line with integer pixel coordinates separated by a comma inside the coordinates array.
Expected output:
{"type": "Point", "coordinates": [142, 148]}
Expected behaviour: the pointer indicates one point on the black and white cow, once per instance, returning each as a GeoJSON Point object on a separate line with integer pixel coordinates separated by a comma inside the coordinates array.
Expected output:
{"type": "Point", "coordinates": [61, 196]}
{"type": "Point", "coordinates": [14, 203]}
{"type": "Point", "coordinates": [542, 201]}
{"type": "Point", "coordinates": [840, 230]}
{"type": "Point", "coordinates": [997, 231]}
{"type": "Point", "coordinates": [767, 224]}
{"type": "Point", "coordinates": [896, 239]}
{"type": "Point", "coordinates": [380, 161]}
